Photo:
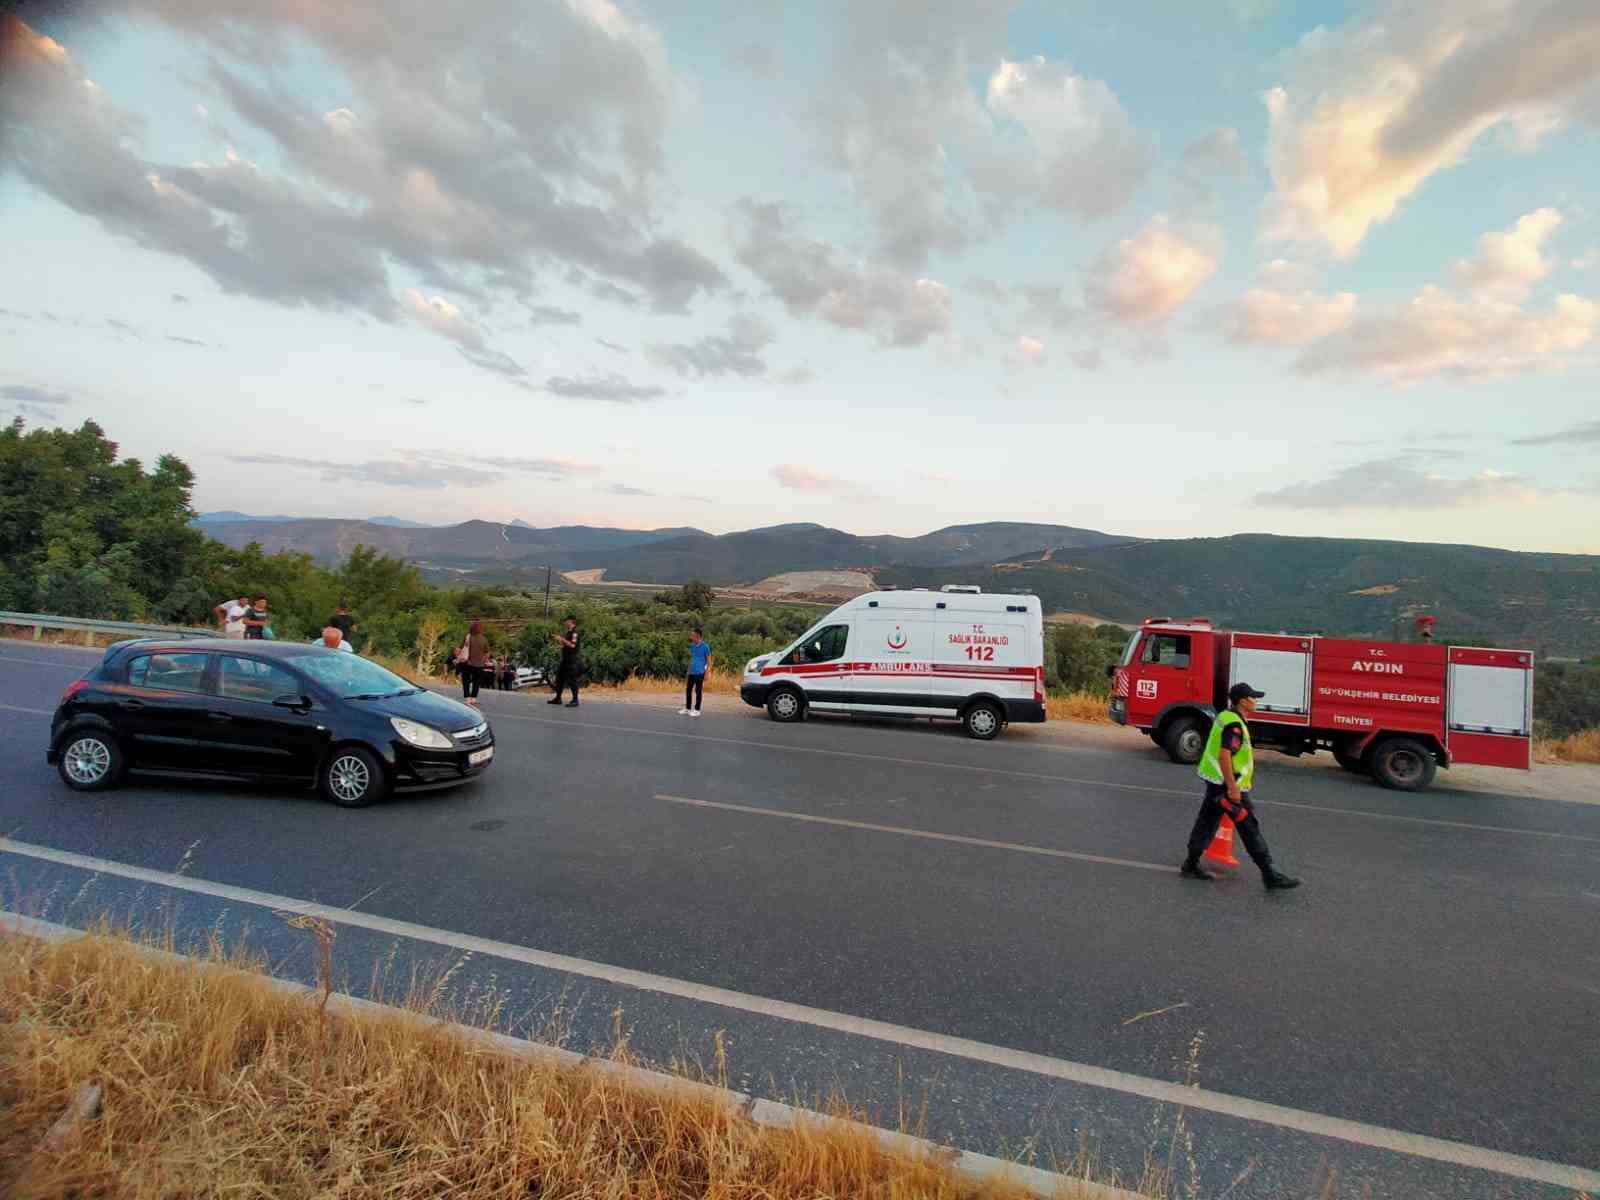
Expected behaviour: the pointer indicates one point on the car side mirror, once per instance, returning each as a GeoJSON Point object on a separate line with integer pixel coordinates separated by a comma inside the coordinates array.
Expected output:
{"type": "Point", "coordinates": [298, 703]}
{"type": "Point", "coordinates": [1111, 670]}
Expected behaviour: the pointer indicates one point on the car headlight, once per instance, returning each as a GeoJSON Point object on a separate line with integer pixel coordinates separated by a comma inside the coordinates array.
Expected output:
{"type": "Point", "coordinates": [754, 665]}
{"type": "Point", "coordinates": [424, 736]}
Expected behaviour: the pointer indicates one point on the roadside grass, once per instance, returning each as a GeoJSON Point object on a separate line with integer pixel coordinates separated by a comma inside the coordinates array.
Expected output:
{"type": "Point", "coordinates": [1085, 707]}
{"type": "Point", "coordinates": [214, 1082]}
{"type": "Point", "coordinates": [1582, 747]}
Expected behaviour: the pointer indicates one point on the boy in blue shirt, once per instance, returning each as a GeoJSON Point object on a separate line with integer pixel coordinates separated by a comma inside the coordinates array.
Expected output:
{"type": "Point", "coordinates": [699, 663]}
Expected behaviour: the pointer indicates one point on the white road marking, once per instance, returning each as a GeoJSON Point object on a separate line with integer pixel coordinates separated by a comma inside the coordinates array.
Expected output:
{"type": "Point", "coordinates": [1162, 1091]}
{"type": "Point", "coordinates": [1190, 794]}
{"type": "Point", "coordinates": [42, 662]}
{"type": "Point", "coordinates": [904, 831]}
{"type": "Point", "coordinates": [43, 712]}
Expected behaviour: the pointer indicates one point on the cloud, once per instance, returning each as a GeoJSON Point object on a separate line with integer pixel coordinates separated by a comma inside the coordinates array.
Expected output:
{"type": "Point", "coordinates": [187, 341]}
{"type": "Point", "coordinates": [179, 298]}
{"type": "Point", "coordinates": [24, 393]}
{"type": "Point", "coordinates": [796, 376]}
{"type": "Point", "coordinates": [615, 347]}
{"type": "Point", "coordinates": [423, 470]}
{"type": "Point", "coordinates": [1391, 483]}
{"type": "Point", "coordinates": [1217, 150]}
{"type": "Point", "coordinates": [936, 163]}
{"type": "Point", "coordinates": [493, 360]}
{"type": "Point", "coordinates": [1088, 360]}
{"type": "Point", "coordinates": [1586, 433]}
{"type": "Point", "coordinates": [1373, 109]}
{"type": "Point", "coordinates": [418, 400]}
{"type": "Point", "coordinates": [444, 318]}
{"type": "Point", "coordinates": [474, 149]}
{"type": "Point", "coordinates": [737, 352]}
{"type": "Point", "coordinates": [809, 479]}
{"type": "Point", "coordinates": [812, 278]}
{"type": "Point", "coordinates": [1509, 263]}
{"type": "Point", "coordinates": [1027, 351]}
{"type": "Point", "coordinates": [1088, 159]}
{"type": "Point", "coordinates": [623, 489]}
{"type": "Point", "coordinates": [610, 388]}
{"type": "Point", "coordinates": [1266, 315]}
{"type": "Point", "coordinates": [545, 314]}
{"type": "Point", "coordinates": [1440, 335]}
{"type": "Point", "coordinates": [1144, 279]}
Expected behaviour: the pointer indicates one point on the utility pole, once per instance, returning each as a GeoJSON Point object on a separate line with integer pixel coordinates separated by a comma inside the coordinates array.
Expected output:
{"type": "Point", "coordinates": [547, 589]}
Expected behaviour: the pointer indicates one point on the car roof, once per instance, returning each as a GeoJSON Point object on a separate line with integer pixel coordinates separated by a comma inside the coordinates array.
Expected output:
{"type": "Point", "coordinates": [260, 647]}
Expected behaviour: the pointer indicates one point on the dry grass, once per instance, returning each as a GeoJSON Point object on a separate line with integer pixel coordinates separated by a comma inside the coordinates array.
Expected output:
{"type": "Point", "coordinates": [1581, 747]}
{"type": "Point", "coordinates": [1085, 707]}
{"type": "Point", "coordinates": [217, 1084]}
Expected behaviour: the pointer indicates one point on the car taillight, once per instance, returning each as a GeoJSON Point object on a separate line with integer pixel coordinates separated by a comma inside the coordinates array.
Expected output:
{"type": "Point", "coordinates": [1038, 685]}
{"type": "Point", "coordinates": [73, 688]}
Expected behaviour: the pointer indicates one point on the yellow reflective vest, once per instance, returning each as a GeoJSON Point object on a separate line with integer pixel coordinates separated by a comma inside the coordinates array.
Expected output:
{"type": "Point", "coordinates": [1244, 758]}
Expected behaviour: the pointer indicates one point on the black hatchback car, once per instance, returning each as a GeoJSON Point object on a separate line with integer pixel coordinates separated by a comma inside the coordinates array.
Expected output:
{"type": "Point", "coordinates": [263, 710]}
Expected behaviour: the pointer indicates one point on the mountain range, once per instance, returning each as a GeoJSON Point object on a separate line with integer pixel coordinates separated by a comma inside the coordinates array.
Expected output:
{"type": "Point", "coordinates": [1550, 602]}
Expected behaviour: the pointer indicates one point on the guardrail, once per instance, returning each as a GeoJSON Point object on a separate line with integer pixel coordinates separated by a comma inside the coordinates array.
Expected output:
{"type": "Point", "coordinates": [131, 629]}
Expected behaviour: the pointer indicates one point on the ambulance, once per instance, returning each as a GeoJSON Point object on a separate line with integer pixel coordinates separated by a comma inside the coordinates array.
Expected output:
{"type": "Point", "coordinates": [958, 653]}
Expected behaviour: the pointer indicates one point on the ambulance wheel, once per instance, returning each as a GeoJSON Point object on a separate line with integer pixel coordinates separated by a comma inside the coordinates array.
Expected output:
{"type": "Point", "coordinates": [1184, 740]}
{"type": "Point", "coordinates": [785, 705]}
{"type": "Point", "coordinates": [1356, 764]}
{"type": "Point", "coordinates": [983, 721]}
{"type": "Point", "coordinates": [1403, 764]}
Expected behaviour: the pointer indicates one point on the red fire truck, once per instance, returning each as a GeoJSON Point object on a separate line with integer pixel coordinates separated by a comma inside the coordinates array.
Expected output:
{"type": "Point", "coordinates": [1396, 710]}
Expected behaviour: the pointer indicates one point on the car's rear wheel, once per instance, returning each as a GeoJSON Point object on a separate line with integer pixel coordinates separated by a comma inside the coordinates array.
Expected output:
{"type": "Point", "coordinates": [1403, 764]}
{"type": "Point", "coordinates": [90, 761]}
{"type": "Point", "coordinates": [353, 778]}
{"type": "Point", "coordinates": [785, 705]}
{"type": "Point", "coordinates": [983, 721]}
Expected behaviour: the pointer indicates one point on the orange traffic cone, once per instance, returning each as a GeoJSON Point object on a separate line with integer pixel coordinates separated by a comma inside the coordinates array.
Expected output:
{"type": "Point", "coordinates": [1221, 849]}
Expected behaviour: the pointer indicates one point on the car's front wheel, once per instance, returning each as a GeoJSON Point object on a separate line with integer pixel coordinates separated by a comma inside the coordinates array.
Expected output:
{"type": "Point", "coordinates": [90, 760]}
{"type": "Point", "coordinates": [353, 778]}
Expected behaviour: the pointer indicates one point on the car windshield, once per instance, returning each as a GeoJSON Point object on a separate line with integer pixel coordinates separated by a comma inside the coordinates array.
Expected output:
{"type": "Point", "coordinates": [350, 677]}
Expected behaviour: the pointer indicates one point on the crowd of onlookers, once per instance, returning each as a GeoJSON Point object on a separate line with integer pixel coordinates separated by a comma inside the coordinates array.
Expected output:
{"type": "Point", "coordinates": [249, 618]}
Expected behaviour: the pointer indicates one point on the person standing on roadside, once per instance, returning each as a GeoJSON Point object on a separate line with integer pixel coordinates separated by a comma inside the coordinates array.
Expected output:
{"type": "Point", "coordinates": [694, 688]}
{"type": "Point", "coordinates": [567, 672]}
{"type": "Point", "coordinates": [1228, 766]}
{"type": "Point", "coordinates": [344, 622]}
{"type": "Point", "coordinates": [230, 615]}
{"type": "Point", "coordinates": [256, 619]}
{"type": "Point", "coordinates": [474, 651]}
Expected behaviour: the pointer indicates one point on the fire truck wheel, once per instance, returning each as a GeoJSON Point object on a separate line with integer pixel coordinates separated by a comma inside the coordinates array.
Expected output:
{"type": "Point", "coordinates": [983, 721]}
{"type": "Point", "coordinates": [1404, 764]}
{"type": "Point", "coordinates": [1184, 740]}
{"type": "Point", "coordinates": [1351, 761]}
{"type": "Point", "coordinates": [785, 705]}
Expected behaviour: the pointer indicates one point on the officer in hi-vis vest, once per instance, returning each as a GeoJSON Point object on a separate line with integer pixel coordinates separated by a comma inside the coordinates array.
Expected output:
{"type": "Point", "coordinates": [1229, 766]}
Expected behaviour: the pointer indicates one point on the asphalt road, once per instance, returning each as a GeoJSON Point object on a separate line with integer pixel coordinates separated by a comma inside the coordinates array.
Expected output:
{"type": "Point", "coordinates": [1438, 974]}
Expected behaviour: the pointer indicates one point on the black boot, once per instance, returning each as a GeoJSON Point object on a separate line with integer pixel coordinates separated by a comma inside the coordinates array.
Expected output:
{"type": "Point", "coordinates": [1192, 869]}
{"type": "Point", "coordinates": [1277, 881]}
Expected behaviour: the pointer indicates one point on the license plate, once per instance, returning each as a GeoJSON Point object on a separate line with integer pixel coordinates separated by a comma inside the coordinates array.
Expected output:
{"type": "Point", "coordinates": [478, 757]}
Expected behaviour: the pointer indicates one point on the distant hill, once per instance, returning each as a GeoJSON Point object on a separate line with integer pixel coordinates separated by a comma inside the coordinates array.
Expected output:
{"type": "Point", "coordinates": [1549, 602]}
{"type": "Point", "coordinates": [754, 554]}
{"type": "Point", "coordinates": [398, 523]}
{"type": "Point", "coordinates": [469, 544]}
{"type": "Point", "coordinates": [229, 516]}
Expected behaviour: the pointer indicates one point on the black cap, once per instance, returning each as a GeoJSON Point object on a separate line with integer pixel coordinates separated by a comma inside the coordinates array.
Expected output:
{"type": "Point", "coordinates": [1240, 690]}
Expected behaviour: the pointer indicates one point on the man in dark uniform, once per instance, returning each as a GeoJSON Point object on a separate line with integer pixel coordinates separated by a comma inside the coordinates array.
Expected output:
{"type": "Point", "coordinates": [567, 672]}
{"type": "Point", "coordinates": [1228, 766]}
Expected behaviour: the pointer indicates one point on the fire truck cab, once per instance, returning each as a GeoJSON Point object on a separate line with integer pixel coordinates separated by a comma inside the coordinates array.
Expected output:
{"type": "Point", "coordinates": [1394, 710]}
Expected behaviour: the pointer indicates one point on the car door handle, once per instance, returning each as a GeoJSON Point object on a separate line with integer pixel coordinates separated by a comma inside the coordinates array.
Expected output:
{"type": "Point", "coordinates": [218, 717]}
{"type": "Point", "coordinates": [131, 704]}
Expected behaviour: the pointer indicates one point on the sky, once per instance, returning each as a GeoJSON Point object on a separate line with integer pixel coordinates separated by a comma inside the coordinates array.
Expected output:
{"type": "Point", "coordinates": [1163, 269]}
